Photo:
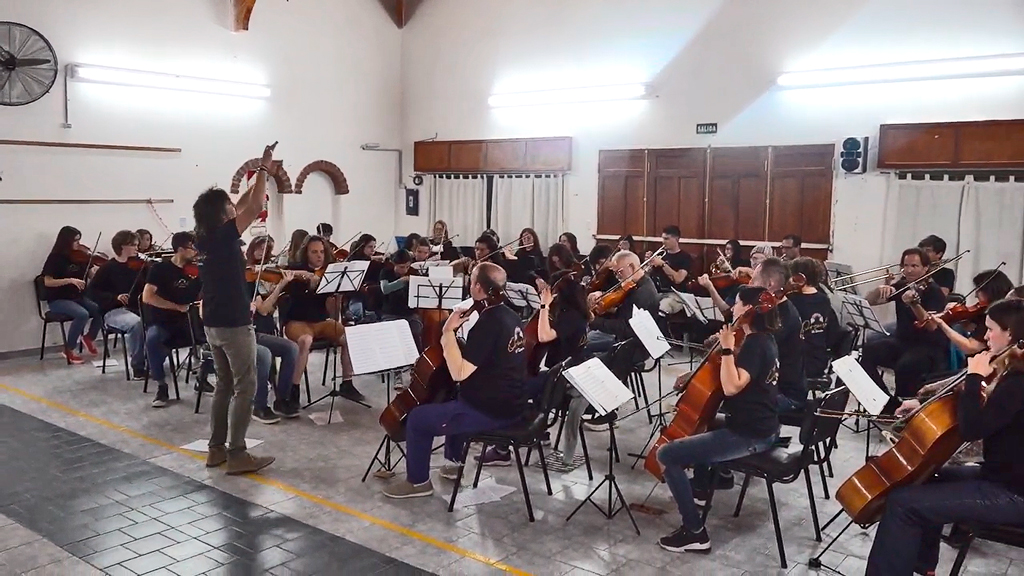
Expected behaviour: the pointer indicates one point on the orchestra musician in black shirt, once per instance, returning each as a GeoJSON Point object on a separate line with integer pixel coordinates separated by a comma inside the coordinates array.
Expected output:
{"type": "Point", "coordinates": [934, 248]}
{"type": "Point", "coordinates": [116, 288]}
{"type": "Point", "coordinates": [819, 326]}
{"type": "Point", "coordinates": [670, 271]}
{"type": "Point", "coordinates": [394, 284]}
{"type": "Point", "coordinates": [64, 282]}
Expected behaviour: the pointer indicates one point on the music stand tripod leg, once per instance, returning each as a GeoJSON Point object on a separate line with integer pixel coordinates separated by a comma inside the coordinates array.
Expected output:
{"type": "Point", "coordinates": [614, 493]}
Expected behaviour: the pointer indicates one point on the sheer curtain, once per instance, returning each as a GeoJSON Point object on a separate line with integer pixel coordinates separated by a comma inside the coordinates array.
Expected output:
{"type": "Point", "coordinates": [993, 229]}
{"type": "Point", "coordinates": [461, 201]}
{"type": "Point", "coordinates": [528, 201]}
{"type": "Point", "coordinates": [917, 208]}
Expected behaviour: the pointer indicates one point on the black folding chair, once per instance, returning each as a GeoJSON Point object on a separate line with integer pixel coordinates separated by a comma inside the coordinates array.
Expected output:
{"type": "Point", "coordinates": [48, 317]}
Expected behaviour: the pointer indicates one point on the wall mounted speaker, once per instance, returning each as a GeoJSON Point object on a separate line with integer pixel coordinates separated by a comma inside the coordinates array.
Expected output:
{"type": "Point", "coordinates": [853, 155]}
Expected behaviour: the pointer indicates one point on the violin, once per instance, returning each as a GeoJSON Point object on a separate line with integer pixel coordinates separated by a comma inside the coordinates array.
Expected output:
{"type": "Point", "coordinates": [600, 280]}
{"type": "Point", "coordinates": [614, 298]}
{"type": "Point", "coordinates": [720, 282]}
{"type": "Point", "coordinates": [136, 263]}
{"type": "Point", "coordinates": [83, 257]}
{"type": "Point", "coordinates": [271, 274]}
{"type": "Point", "coordinates": [956, 314]}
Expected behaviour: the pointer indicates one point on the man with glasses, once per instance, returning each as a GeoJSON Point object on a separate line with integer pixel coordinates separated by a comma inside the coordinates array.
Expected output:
{"type": "Point", "coordinates": [606, 331]}
{"type": "Point", "coordinates": [168, 294]}
{"type": "Point", "coordinates": [115, 288]}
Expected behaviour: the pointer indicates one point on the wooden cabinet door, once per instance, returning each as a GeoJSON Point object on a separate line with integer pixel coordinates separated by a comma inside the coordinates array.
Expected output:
{"type": "Point", "coordinates": [800, 192]}
{"type": "Point", "coordinates": [737, 194]}
{"type": "Point", "coordinates": [676, 183]}
{"type": "Point", "coordinates": [621, 192]}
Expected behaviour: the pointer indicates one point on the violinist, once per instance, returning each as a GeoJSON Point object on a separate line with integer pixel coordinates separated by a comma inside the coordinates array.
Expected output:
{"type": "Point", "coordinates": [758, 254]}
{"type": "Point", "coordinates": [489, 369]}
{"type": "Point", "coordinates": [145, 241]}
{"type": "Point", "coordinates": [911, 352]}
{"type": "Point", "coordinates": [168, 295]}
{"type": "Point", "coordinates": [935, 249]}
{"type": "Point", "coordinates": [394, 283]}
{"type": "Point", "coordinates": [484, 247]}
{"type": "Point", "coordinates": [292, 257]}
{"type": "Point", "coordinates": [670, 271]}
{"type": "Point", "coordinates": [421, 250]}
{"type": "Point", "coordinates": [907, 540]}
{"type": "Point", "coordinates": [608, 330]}
{"type": "Point", "coordinates": [626, 242]}
{"type": "Point", "coordinates": [410, 242]}
{"type": "Point", "coordinates": [269, 345]}
{"type": "Point", "coordinates": [116, 288]}
{"type": "Point", "coordinates": [311, 315]}
{"type": "Point", "coordinates": [325, 231]}
{"type": "Point", "coordinates": [596, 262]}
{"type": "Point", "coordinates": [991, 286]}
{"type": "Point", "coordinates": [819, 323]}
{"type": "Point", "coordinates": [559, 258]}
{"type": "Point", "coordinates": [441, 243]}
{"type": "Point", "coordinates": [790, 247]}
{"type": "Point", "coordinates": [568, 239]}
{"type": "Point", "coordinates": [64, 275]}
{"type": "Point", "coordinates": [748, 377]}
{"type": "Point", "coordinates": [362, 305]}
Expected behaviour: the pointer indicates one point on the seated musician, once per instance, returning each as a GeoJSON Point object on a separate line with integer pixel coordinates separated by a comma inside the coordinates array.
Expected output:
{"type": "Point", "coordinates": [606, 331]}
{"type": "Point", "coordinates": [748, 378]}
{"type": "Point", "coordinates": [562, 326]}
{"type": "Point", "coordinates": [568, 239]}
{"type": "Point", "coordinates": [991, 286]}
{"type": "Point", "coordinates": [64, 280]}
{"type": "Point", "coordinates": [364, 304]}
{"type": "Point", "coordinates": [394, 283]}
{"type": "Point", "coordinates": [1016, 293]}
{"type": "Point", "coordinates": [484, 247]}
{"type": "Point", "coordinates": [819, 323]}
{"type": "Point", "coordinates": [489, 369]}
{"type": "Point", "coordinates": [935, 249]}
{"type": "Point", "coordinates": [145, 241]}
{"type": "Point", "coordinates": [441, 243]}
{"type": "Point", "coordinates": [115, 288]}
{"type": "Point", "coordinates": [911, 352]}
{"type": "Point", "coordinates": [670, 271]}
{"type": "Point", "coordinates": [907, 540]}
{"type": "Point", "coordinates": [409, 243]}
{"type": "Point", "coordinates": [523, 263]}
{"type": "Point", "coordinates": [559, 258]}
{"type": "Point", "coordinates": [596, 261]}
{"type": "Point", "coordinates": [789, 248]}
{"type": "Point", "coordinates": [626, 242]}
{"type": "Point", "coordinates": [312, 316]}
{"type": "Point", "coordinates": [758, 254]}
{"type": "Point", "coordinates": [291, 257]}
{"type": "Point", "coordinates": [421, 250]}
{"type": "Point", "coordinates": [269, 345]}
{"type": "Point", "coordinates": [168, 295]}
{"type": "Point", "coordinates": [733, 253]}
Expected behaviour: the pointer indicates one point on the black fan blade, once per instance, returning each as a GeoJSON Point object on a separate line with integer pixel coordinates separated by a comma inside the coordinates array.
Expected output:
{"type": "Point", "coordinates": [26, 62]}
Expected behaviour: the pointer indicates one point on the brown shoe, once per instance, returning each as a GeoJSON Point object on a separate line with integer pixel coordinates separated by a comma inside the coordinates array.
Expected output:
{"type": "Point", "coordinates": [244, 463]}
{"type": "Point", "coordinates": [216, 456]}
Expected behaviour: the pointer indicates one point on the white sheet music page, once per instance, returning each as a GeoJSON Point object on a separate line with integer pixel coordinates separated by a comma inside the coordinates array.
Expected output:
{"type": "Point", "coordinates": [863, 388]}
{"type": "Point", "coordinates": [691, 305]}
{"type": "Point", "coordinates": [598, 385]}
{"type": "Point", "coordinates": [708, 308]}
{"type": "Point", "coordinates": [646, 329]}
{"type": "Point", "coordinates": [463, 331]}
{"type": "Point", "coordinates": [380, 346]}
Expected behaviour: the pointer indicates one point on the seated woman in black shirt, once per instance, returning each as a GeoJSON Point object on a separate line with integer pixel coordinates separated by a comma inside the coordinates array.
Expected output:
{"type": "Point", "coordinates": [64, 280]}
{"type": "Point", "coordinates": [568, 239]}
{"type": "Point", "coordinates": [597, 261]}
{"type": "Point", "coordinates": [907, 540]}
{"type": "Point", "coordinates": [991, 286]}
{"type": "Point", "coordinates": [751, 425]}
{"type": "Point", "coordinates": [523, 263]}
{"type": "Point", "coordinates": [733, 253]}
{"type": "Point", "coordinates": [819, 324]}
{"type": "Point", "coordinates": [559, 258]}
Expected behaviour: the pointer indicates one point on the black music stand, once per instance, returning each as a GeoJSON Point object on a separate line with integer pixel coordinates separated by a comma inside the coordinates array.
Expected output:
{"type": "Point", "coordinates": [387, 445]}
{"type": "Point", "coordinates": [522, 296]}
{"type": "Point", "coordinates": [857, 311]}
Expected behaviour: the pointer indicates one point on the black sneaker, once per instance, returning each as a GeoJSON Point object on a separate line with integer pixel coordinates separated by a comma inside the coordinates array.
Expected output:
{"type": "Point", "coordinates": [347, 390]}
{"type": "Point", "coordinates": [682, 540]}
{"type": "Point", "coordinates": [700, 497]}
{"type": "Point", "coordinates": [725, 481]}
{"type": "Point", "coordinates": [265, 415]}
{"type": "Point", "coordinates": [286, 409]}
{"type": "Point", "coordinates": [162, 396]}
{"type": "Point", "coordinates": [295, 396]}
{"type": "Point", "coordinates": [140, 373]}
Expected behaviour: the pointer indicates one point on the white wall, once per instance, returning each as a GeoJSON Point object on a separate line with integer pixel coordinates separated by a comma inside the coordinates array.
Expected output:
{"type": "Point", "coordinates": [333, 67]}
{"type": "Point", "coordinates": [708, 61]}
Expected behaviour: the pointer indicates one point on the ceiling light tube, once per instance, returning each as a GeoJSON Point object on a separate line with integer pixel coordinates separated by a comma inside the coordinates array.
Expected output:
{"type": "Point", "coordinates": [158, 80]}
{"type": "Point", "coordinates": [1002, 65]}
{"type": "Point", "coordinates": [569, 95]}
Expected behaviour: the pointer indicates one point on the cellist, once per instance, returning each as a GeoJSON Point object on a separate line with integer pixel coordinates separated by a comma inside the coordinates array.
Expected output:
{"type": "Point", "coordinates": [907, 540]}
{"type": "Point", "coordinates": [749, 377]}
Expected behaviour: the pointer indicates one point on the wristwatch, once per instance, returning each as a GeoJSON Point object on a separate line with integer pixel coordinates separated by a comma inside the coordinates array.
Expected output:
{"type": "Point", "coordinates": [543, 306]}
{"type": "Point", "coordinates": [727, 351]}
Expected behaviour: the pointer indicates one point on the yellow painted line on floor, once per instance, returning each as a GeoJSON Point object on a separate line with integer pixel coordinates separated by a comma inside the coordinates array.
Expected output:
{"type": "Point", "coordinates": [274, 483]}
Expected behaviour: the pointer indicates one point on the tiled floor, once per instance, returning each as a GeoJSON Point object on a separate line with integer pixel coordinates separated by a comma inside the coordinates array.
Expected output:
{"type": "Point", "coordinates": [316, 480]}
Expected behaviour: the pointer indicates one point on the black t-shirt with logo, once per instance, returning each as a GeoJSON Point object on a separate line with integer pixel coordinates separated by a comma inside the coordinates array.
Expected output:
{"type": "Point", "coordinates": [932, 300]}
{"type": "Point", "coordinates": [571, 328]}
{"type": "Point", "coordinates": [225, 304]}
{"type": "Point", "coordinates": [496, 346]}
{"type": "Point", "coordinates": [173, 285]}
{"type": "Point", "coordinates": [262, 324]}
{"type": "Point", "coordinates": [395, 303]}
{"type": "Point", "coordinates": [818, 321]}
{"type": "Point", "coordinates": [59, 266]}
{"type": "Point", "coordinates": [305, 304]}
{"type": "Point", "coordinates": [792, 379]}
{"type": "Point", "coordinates": [753, 413]}
{"type": "Point", "coordinates": [678, 261]}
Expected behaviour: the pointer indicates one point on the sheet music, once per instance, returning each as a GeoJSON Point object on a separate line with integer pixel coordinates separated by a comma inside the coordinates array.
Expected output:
{"type": "Point", "coordinates": [428, 264]}
{"type": "Point", "coordinates": [646, 329]}
{"type": "Point", "coordinates": [711, 312]}
{"type": "Point", "coordinates": [423, 292]}
{"type": "Point", "coordinates": [342, 277]}
{"type": "Point", "coordinates": [598, 385]}
{"type": "Point", "coordinates": [440, 272]}
{"type": "Point", "coordinates": [522, 295]}
{"type": "Point", "coordinates": [463, 331]}
{"type": "Point", "coordinates": [859, 311]}
{"type": "Point", "coordinates": [691, 305]}
{"type": "Point", "coordinates": [863, 388]}
{"type": "Point", "coordinates": [380, 346]}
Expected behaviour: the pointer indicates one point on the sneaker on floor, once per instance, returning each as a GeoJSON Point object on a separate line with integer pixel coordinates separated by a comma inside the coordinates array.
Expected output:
{"type": "Point", "coordinates": [90, 345]}
{"type": "Point", "coordinates": [215, 456]}
{"type": "Point", "coordinates": [73, 358]}
{"type": "Point", "coordinates": [162, 396]}
{"type": "Point", "coordinates": [140, 373]}
{"type": "Point", "coordinates": [725, 481]}
{"type": "Point", "coordinates": [286, 409]}
{"type": "Point", "coordinates": [348, 390]}
{"type": "Point", "coordinates": [243, 463]}
{"type": "Point", "coordinates": [449, 470]}
{"type": "Point", "coordinates": [495, 457]}
{"type": "Point", "coordinates": [265, 415]}
{"type": "Point", "coordinates": [682, 540]}
{"type": "Point", "coordinates": [403, 489]}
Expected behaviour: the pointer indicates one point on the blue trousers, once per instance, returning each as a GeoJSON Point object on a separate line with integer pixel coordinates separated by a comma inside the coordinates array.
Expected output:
{"type": "Point", "coordinates": [700, 451]}
{"type": "Point", "coordinates": [598, 342]}
{"type": "Point", "coordinates": [157, 351]}
{"type": "Point", "coordinates": [80, 310]}
{"type": "Point", "coordinates": [128, 322]}
{"type": "Point", "coordinates": [908, 535]}
{"type": "Point", "coordinates": [268, 347]}
{"type": "Point", "coordinates": [455, 420]}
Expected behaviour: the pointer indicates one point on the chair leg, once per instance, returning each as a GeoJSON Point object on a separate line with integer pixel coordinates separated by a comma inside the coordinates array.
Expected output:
{"type": "Point", "coordinates": [42, 343]}
{"type": "Point", "coordinates": [814, 507]}
{"type": "Point", "coordinates": [961, 556]}
{"type": "Point", "coordinates": [544, 468]}
{"type": "Point", "coordinates": [743, 494]}
{"type": "Point", "coordinates": [824, 482]}
{"type": "Point", "coordinates": [480, 463]}
{"type": "Point", "coordinates": [458, 478]}
{"type": "Point", "coordinates": [526, 489]}
{"type": "Point", "coordinates": [309, 396]}
{"type": "Point", "coordinates": [775, 521]}
{"type": "Point", "coordinates": [106, 353]}
{"type": "Point", "coordinates": [586, 454]}
{"type": "Point", "coordinates": [124, 351]}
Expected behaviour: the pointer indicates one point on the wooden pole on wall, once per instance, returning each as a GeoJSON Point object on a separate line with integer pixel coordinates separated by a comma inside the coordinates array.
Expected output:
{"type": "Point", "coordinates": [88, 146]}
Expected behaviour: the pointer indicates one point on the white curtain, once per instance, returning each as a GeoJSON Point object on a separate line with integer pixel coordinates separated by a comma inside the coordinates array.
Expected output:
{"type": "Point", "coordinates": [528, 201]}
{"type": "Point", "coordinates": [993, 229]}
{"type": "Point", "coordinates": [462, 203]}
{"type": "Point", "coordinates": [917, 208]}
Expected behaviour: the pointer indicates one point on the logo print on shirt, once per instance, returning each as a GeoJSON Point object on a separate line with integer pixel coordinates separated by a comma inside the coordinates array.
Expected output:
{"type": "Point", "coordinates": [517, 343]}
{"type": "Point", "coordinates": [814, 325]}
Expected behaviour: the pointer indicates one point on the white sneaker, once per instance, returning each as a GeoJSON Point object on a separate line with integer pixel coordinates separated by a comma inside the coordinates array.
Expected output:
{"type": "Point", "coordinates": [449, 470]}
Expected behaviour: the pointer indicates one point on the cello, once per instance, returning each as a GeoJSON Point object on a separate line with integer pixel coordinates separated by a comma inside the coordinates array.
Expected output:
{"type": "Point", "coordinates": [930, 438]}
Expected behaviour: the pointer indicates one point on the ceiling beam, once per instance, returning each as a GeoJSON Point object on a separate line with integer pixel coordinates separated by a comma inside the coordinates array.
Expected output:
{"type": "Point", "coordinates": [401, 11]}
{"type": "Point", "coordinates": [243, 11]}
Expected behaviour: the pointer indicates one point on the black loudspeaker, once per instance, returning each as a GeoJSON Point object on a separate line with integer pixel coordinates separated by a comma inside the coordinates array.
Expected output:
{"type": "Point", "coordinates": [853, 155]}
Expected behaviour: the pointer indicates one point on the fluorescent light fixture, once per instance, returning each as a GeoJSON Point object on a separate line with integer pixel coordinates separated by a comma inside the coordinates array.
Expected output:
{"type": "Point", "coordinates": [122, 77]}
{"type": "Point", "coordinates": [1002, 65]}
{"type": "Point", "coordinates": [569, 95]}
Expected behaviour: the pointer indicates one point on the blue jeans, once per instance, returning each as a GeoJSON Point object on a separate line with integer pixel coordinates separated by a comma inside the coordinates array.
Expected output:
{"type": "Point", "coordinates": [598, 342]}
{"type": "Point", "coordinates": [788, 405]}
{"type": "Point", "coordinates": [126, 321]}
{"type": "Point", "coordinates": [909, 532]}
{"type": "Point", "coordinates": [157, 350]}
{"type": "Point", "coordinates": [80, 310]}
{"type": "Point", "coordinates": [699, 451]}
{"type": "Point", "coordinates": [455, 420]}
{"type": "Point", "coordinates": [268, 347]}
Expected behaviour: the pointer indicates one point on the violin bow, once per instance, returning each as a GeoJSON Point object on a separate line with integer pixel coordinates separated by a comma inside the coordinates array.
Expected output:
{"type": "Point", "coordinates": [92, 254]}
{"type": "Point", "coordinates": [987, 280]}
{"type": "Point", "coordinates": [929, 274]}
{"type": "Point", "coordinates": [259, 269]}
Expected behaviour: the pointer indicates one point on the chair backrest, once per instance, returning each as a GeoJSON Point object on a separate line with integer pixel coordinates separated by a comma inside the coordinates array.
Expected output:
{"type": "Point", "coordinates": [284, 305]}
{"type": "Point", "coordinates": [623, 357]}
{"type": "Point", "coordinates": [40, 288]}
{"type": "Point", "coordinates": [845, 341]}
{"type": "Point", "coordinates": [817, 428]}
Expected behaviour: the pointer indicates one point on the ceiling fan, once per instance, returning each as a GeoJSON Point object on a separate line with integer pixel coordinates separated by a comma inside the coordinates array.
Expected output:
{"type": "Point", "coordinates": [28, 65]}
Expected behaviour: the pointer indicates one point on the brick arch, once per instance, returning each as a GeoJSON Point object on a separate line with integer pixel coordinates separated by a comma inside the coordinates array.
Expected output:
{"type": "Point", "coordinates": [281, 178]}
{"type": "Point", "coordinates": [330, 170]}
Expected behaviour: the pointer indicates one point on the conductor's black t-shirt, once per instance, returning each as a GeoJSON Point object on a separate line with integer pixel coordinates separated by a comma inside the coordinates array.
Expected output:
{"type": "Point", "coordinates": [753, 412]}
{"type": "Point", "coordinates": [225, 299]}
{"type": "Point", "coordinates": [497, 347]}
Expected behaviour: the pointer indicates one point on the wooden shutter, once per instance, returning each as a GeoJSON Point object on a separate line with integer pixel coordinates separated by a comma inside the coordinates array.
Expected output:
{"type": "Point", "coordinates": [620, 193]}
{"type": "Point", "coordinates": [801, 192]}
{"type": "Point", "coordinates": [675, 190]}
{"type": "Point", "coordinates": [737, 193]}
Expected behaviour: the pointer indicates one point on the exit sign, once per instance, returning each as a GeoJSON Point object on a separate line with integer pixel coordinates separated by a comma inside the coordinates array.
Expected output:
{"type": "Point", "coordinates": [710, 128]}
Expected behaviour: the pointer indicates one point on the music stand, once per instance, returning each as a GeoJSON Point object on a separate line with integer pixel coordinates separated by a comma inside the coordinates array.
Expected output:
{"type": "Point", "coordinates": [839, 270]}
{"type": "Point", "coordinates": [522, 296]}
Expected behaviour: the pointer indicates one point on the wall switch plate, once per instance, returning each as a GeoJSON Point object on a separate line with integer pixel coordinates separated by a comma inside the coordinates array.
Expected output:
{"type": "Point", "coordinates": [181, 222]}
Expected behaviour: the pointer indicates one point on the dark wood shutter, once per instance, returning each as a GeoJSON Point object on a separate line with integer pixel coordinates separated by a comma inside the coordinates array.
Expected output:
{"type": "Point", "coordinates": [620, 192]}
